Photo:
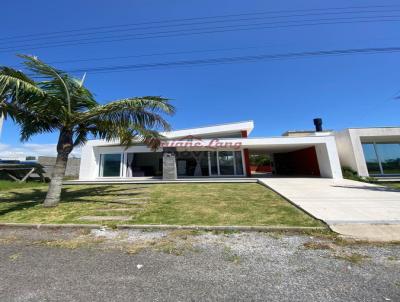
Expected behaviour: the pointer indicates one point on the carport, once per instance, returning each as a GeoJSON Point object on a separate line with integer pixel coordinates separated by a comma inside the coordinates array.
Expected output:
{"type": "Point", "coordinates": [288, 161]}
{"type": "Point", "coordinates": [299, 156]}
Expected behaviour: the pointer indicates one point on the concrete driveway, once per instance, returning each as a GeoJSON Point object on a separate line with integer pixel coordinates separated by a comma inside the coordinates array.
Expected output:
{"type": "Point", "coordinates": [349, 207]}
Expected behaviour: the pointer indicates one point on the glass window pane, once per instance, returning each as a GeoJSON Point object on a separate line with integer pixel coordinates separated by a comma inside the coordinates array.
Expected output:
{"type": "Point", "coordinates": [389, 155]}
{"type": "Point", "coordinates": [111, 165]}
{"type": "Point", "coordinates": [204, 163]}
{"type": "Point", "coordinates": [371, 159]}
{"type": "Point", "coordinates": [213, 163]}
{"type": "Point", "coordinates": [239, 163]}
{"type": "Point", "coordinates": [226, 163]}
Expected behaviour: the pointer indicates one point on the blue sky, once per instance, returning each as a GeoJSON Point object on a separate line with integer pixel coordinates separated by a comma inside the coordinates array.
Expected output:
{"type": "Point", "coordinates": [346, 91]}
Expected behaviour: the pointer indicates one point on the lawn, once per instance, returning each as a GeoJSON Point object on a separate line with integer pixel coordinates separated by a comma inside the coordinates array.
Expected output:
{"type": "Point", "coordinates": [6, 185]}
{"type": "Point", "coordinates": [184, 204]}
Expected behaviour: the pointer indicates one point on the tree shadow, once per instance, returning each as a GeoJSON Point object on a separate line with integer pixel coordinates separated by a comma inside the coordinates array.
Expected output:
{"type": "Point", "coordinates": [20, 200]}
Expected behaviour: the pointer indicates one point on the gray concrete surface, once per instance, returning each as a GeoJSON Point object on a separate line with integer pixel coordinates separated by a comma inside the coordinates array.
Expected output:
{"type": "Point", "coordinates": [230, 267]}
{"type": "Point", "coordinates": [345, 202]}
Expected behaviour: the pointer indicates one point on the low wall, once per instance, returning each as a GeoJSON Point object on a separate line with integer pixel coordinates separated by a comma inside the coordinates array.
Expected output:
{"type": "Point", "coordinates": [48, 163]}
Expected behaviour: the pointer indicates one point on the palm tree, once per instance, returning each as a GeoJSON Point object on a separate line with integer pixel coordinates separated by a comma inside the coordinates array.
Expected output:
{"type": "Point", "coordinates": [50, 100]}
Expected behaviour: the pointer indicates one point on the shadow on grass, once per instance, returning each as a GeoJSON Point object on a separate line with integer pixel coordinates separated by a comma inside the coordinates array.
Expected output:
{"type": "Point", "coordinates": [20, 200]}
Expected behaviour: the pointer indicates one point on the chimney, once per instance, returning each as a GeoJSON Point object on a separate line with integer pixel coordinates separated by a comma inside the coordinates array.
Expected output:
{"type": "Point", "coordinates": [318, 124]}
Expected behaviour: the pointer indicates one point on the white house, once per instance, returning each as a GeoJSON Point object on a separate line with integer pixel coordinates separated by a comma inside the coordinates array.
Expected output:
{"type": "Point", "coordinates": [223, 151]}
{"type": "Point", "coordinates": [213, 151]}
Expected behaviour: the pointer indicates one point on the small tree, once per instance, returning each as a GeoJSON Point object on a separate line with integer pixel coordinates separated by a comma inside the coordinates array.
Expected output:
{"type": "Point", "coordinates": [53, 101]}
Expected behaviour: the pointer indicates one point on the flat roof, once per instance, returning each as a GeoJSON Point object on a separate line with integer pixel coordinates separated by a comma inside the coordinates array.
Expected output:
{"type": "Point", "coordinates": [212, 129]}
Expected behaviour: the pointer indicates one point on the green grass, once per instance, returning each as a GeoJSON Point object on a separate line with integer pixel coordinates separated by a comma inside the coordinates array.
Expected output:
{"type": "Point", "coordinates": [393, 185]}
{"type": "Point", "coordinates": [8, 185]}
{"type": "Point", "coordinates": [184, 204]}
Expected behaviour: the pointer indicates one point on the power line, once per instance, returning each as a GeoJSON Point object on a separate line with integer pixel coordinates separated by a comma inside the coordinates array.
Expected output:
{"type": "Point", "coordinates": [156, 54]}
{"type": "Point", "coordinates": [200, 18]}
{"type": "Point", "coordinates": [137, 36]}
{"type": "Point", "coordinates": [238, 59]}
{"type": "Point", "coordinates": [195, 23]}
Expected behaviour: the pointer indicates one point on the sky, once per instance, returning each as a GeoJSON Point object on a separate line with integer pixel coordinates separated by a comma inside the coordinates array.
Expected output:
{"type": "Point", "coordinates": [278, 95]}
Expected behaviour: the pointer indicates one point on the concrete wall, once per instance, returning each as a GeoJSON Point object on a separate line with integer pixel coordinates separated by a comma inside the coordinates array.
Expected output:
{"type": "Point", "coordinates": [48, 163]}
{"type": "Point", "coordinates": [346, 150]}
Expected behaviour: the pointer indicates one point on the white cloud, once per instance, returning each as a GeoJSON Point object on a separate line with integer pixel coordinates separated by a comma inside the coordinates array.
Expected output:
{"type": "Point", "coordinates": [23, 150]}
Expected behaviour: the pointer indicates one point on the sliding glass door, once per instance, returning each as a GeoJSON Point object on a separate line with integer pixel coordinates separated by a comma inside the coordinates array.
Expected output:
{"type": "Point", "coordinates": [110, 165]}
{"type": "Point", "coordinates": [226, 163]}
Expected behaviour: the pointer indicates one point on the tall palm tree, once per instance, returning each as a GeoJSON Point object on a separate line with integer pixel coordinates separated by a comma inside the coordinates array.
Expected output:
{"type": "Point", "coordinates": [50, 100]}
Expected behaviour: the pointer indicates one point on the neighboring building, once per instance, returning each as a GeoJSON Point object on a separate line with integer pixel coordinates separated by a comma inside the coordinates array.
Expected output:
{"type": "Point", "coordinates": [370, 151]}
{"type": "Point", "coordinates": [213, 151]}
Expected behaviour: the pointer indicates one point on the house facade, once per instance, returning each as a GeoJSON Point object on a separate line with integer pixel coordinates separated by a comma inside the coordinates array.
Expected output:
{"type": "Point", "coordinates": [225, 150]}
{"type": "Point", "coordinates": [213, 151]}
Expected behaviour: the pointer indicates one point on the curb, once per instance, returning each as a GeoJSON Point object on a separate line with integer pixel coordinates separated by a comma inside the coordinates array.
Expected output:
{"type": "Point", "coordinates": [163, 227]}
{"type": "Point", "coordinates": [50, 226]}
{"type": "Point", "coordinates": [218, 227]}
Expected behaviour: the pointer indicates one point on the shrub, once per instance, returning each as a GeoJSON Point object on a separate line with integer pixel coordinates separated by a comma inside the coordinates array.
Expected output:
{"type": "Point", "coordinates": [349, 173]}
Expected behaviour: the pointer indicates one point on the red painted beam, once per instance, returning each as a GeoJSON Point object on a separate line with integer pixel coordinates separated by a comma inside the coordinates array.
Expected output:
{"type": "Point", "coordinates": [246, 156]}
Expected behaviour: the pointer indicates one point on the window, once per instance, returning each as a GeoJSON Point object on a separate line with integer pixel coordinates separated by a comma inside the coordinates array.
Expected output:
{"type": "Point", "coordinates": [110, 165]}
{"type": "Point", "coordinates": [382, 158]}
{"type": "Point", "coordinates": [238, 162]}
{"type": "Point", "coordinates": [371, 159]}
{"type": "Point", "coordinates": [389, 156]}
{"type": "Point", "coordinates": [213, 163]}
{"type": "Point", "coordinates": [226, 163]}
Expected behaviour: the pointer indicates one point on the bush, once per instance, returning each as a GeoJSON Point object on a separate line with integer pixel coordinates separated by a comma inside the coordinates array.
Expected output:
{"type": "Point", "coordinates": [260, 160]}
{"type": "Point", "coordinates": [349, 173]}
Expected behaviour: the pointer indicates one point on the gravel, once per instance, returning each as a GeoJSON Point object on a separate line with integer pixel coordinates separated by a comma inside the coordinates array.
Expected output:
{"type": "Point", "coordinates": [218, 267]}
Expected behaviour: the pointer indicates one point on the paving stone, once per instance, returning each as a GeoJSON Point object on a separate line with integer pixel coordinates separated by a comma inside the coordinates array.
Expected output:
{"type": "Point", "coordinates": [127, 202]}
{"type": "Point", "coordinates": [114, 209]}
{"type": "Point", "coordinates": [106, 218]}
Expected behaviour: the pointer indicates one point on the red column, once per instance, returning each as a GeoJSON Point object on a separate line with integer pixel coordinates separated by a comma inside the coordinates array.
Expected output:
{"type": "Point", "coordinates": [246, 156]}
{"type": "Point", "coordinates": [247, 162]}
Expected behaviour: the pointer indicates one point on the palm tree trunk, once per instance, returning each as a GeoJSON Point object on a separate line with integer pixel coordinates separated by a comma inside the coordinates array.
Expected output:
{"type": "Point", "coordinates": [64, 148]}
{"type": "Point", "coordinates": [54, 191]}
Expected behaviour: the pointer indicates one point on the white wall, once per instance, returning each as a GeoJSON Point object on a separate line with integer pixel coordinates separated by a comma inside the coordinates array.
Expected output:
{"type": "Point", "coordinates": [346, 150]}
{"type": "Point", "coordinates": [328, 159]}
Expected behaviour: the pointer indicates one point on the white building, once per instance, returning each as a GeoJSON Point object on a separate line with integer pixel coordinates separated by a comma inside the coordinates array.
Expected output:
{"type": "Point", "coordinates": [213, 151]}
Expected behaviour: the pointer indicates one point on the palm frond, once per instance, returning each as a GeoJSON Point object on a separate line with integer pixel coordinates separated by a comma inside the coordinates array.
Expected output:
{"type": "Point", "coordinates": [146, 112]}
{"type": "Point", "coordinates": [13, 81]}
